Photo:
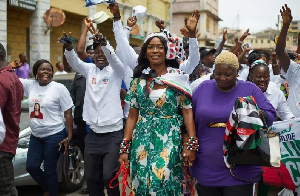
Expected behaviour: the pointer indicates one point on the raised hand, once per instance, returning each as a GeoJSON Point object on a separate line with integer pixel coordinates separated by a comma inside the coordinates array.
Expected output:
{"type": "Point", "coordinates": [191, 23]}
{"type": "Point", "coordinates": [131, 21]}
{"type": "Point", "coordinates": [225, 35]}
{"type": "Point", "coordinates": [89, 24]}
{"type": "Point", "coordinates": [286, 14]}
{"type": "Point", "coordinates": [98, 38]}
{"type": "Point", "coordinates": [66, 40]}
{"type": "Point", "coordinates": [114, 9]}
{"type": "Point", "coordinates": [15, 64]}
{"type": "Point", "coordinates": [160, 24]}
{"type": "Point", "coordinates": [184, 32]}
{"type": "Point", "coordinates": [246, 33]}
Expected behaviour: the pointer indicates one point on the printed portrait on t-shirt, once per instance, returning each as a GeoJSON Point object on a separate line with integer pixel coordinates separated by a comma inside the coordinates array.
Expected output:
{"type": "Point", "coordinates": [36, 113]}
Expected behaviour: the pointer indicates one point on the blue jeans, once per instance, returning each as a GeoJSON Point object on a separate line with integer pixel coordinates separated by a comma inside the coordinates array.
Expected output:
{"type": "Point", "coordinates": [45, 149]}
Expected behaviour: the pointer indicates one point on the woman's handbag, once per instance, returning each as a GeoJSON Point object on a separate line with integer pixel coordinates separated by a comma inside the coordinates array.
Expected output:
{"type": "Point", "coordinates": [124, 181]}
{"type": "Point", "coordinates": [249, 140]}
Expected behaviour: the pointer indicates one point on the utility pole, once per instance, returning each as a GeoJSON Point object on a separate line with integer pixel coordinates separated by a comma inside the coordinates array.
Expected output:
{"type": "Point", "coordinates": [171, 14]}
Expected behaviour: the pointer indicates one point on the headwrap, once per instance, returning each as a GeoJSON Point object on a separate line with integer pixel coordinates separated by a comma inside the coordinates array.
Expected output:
{"type": "Point", "coordinates": [260, 61]}
{"type": "Point", "coordinates": [174, 78]}
{"type": "Point", "coordinates": [175, 46]}
{"type": "Point", "coordinates": [253, 56]}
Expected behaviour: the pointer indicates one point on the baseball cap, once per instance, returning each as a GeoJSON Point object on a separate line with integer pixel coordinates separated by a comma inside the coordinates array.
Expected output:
{"type": "Point", "coordinates": [207, 51]}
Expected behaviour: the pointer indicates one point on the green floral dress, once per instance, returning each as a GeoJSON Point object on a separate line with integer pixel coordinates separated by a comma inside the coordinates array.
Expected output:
{"type": "Point", "coordinates": [156, 147]}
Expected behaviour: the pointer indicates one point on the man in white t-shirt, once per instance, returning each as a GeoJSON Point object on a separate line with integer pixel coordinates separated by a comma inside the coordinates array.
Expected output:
{"type": "Point", "coordinates": [60, 69]}
{"type": "Point", "coordinates": [103, 112]}
{"type": "Point", "coordinates": [291, 68]}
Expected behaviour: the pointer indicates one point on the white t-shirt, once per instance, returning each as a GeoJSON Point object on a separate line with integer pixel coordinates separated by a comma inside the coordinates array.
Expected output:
{"type": "Point", "coordinates": [60, 72]}
{"type": "Point", "coordinates": [277, 99]}
{"type": "Point", "coordinates": [196, 83]}
{"type": "Point", "coordinates": [293, 78]}
{"type": "Point", "coordinates": [244, 72]}
{"type": "Point", "coordinates": [2, 128]}
{"type": "Point", "coordinates": [46, 106]}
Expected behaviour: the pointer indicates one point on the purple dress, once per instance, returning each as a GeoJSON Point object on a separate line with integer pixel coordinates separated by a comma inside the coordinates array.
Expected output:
{"type": "Point", "coordinates": [212, 105]}
{"type": "Point", "coordinates": [23, 72]}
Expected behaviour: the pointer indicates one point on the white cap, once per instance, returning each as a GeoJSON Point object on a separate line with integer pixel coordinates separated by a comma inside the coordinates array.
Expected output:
{"type": "Point", "coordinates": [99, 17]}
{"type": "Point", "coordinates": [139, 11]}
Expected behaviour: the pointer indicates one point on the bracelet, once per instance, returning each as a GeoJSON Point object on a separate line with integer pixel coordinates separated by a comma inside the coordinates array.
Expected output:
{"type": "Point", "coordinates": [192, 144]}
{"type": "Point", "coordinates": [241, 42]}
{"type": "Point", "coordinates": [125, 146]}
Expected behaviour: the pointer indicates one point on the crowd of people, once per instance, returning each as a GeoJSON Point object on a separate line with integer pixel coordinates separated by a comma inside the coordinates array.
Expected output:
{"type": "Point", "coordinates": [178, 99]}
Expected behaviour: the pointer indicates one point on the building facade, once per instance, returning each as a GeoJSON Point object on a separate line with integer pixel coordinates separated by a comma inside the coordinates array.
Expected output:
{"type": "Point", "coordinates": [208, 22]}
{"type": "Point", "coordinates": [23, 28]}
{"type": "Point", "coordinates": [262, 40]}
{"type": "Point", "coordinates": [294, 26]}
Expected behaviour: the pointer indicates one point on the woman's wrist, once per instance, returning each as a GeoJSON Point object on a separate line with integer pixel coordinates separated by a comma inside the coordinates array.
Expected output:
{"type": "Point", "coordinates": [125, 146]}
{"type": "Point", "coordinates": [192, 144]}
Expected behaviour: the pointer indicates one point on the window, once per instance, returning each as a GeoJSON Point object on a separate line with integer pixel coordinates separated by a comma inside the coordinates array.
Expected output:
{"type": "Point", "coordinates": [287, 39]}
{"type": "Point", "coordinates": [207, 23]}
{"type": "Point", "coordinates": [215, 27]}
{"type": "Point", "coordinates": [256, 41]}
{"type": "Point", "coordinates": [262, 41]}
{"type": "Point", "coordinates": [251, 41]}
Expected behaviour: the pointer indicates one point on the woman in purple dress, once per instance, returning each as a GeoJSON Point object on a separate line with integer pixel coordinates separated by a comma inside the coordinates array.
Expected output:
{"type": "Point", "coordinates": [212, 103]}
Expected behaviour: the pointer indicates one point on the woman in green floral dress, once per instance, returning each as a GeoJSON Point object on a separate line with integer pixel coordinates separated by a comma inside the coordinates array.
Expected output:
{"type": "Point", "coordinates": [157, 93]}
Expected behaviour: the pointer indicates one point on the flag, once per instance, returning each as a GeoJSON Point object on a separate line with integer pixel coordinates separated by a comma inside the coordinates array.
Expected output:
{"type": "Point", "coordinates": [290, 146]}
{"type": "Point", "coordinates": [95, 2]}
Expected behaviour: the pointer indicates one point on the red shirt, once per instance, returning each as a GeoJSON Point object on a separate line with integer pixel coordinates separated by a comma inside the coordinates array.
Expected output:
{"type": "Point", "coordinates": [11, 95]}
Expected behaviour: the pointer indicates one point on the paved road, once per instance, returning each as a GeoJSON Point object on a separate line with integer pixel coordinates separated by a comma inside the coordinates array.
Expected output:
{"type": "Point", "coordinates": [37, 191]}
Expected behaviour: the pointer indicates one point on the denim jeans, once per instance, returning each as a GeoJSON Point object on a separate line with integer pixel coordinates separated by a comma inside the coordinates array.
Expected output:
{"type": "Point", "coordinates": [45, 149]}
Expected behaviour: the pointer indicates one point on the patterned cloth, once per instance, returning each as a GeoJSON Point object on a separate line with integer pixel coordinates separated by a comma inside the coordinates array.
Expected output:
{"type": "Point", "coordinates": [244, 120]}
{"type": "Point", "coordinates": [156, 160]}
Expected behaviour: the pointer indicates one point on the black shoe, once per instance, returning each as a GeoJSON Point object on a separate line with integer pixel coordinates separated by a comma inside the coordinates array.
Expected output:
{"type": "Point", "coordinates": [84, 191]}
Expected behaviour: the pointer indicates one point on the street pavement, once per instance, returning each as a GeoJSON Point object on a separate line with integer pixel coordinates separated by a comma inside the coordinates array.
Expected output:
{"type": "Point", "coordinates": [37, 191]}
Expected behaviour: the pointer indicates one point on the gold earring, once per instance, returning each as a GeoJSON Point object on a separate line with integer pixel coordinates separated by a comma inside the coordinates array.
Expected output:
{"type": "Point", "coordinates": [36, 77]}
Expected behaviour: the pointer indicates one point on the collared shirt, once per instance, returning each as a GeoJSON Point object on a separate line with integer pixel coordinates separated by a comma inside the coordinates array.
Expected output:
{"type": "Point", "coordinates": [292, 76]}
{"type": "Point", "coordinates": [23, 71]}
{"type": "Point", "coordinates": [11, 95]}
{"type": "Point", "coordinates": [102, 105]}
{"type": "Point", "coordinates": [277, 99]}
